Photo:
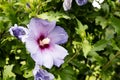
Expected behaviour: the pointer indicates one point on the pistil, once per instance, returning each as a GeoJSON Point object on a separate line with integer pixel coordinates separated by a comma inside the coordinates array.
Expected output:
{"type": "Point", "coordinates": [44, 41]}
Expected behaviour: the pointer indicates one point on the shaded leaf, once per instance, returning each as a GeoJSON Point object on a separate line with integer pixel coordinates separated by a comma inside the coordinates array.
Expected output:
{"type": "Point", "coordinates": [100, 45]}
{"type": "Point", "coordinates": [67, 74]}
{"type": "Point", "coordinates": [80, 30]}
{"type": "Point", "coordinates": [115, 22]}
{"type": "Point", "coordinates": [99, 20]}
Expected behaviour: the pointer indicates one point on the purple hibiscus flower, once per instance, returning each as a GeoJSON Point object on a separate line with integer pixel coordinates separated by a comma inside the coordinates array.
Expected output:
{"type": "Point", "coordinates": [40, 74]}
{"type": "Point", "coordinates": [19, 32]}
{"type": "Point", "coordinates": [81, 2]}
{"type": "Point", "coordinates": [42, 42]}
{"type": "Point", "coordinates": [67, 3]}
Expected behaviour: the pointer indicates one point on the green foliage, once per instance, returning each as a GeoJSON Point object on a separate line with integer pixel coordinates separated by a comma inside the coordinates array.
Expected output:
{"type": "Point", "coordinates": [8, 74]}
{"type": "Point", "coordinates": [115, 22]}
{"type": "Point", "coordinates": [93, 44]}
{"type": "Point", "coordinates": [53, 16]}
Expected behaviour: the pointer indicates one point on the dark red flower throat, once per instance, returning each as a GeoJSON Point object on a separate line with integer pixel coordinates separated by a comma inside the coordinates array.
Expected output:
{"type": "Point", "coordinates": [43, 42]}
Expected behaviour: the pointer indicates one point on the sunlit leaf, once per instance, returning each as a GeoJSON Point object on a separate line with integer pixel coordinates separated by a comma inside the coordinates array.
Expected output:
{"type": "Point", "coordinates": [86, 47]}
{"type": "Point", "coordinates": [28, 74]}
{"type": "Point", "coordinates": [8, 72]}
{"type": "Point", "coordinates": [53, 16]}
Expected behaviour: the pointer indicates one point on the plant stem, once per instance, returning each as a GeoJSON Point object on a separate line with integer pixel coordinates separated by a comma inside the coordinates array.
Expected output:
{"type": "Point", "coordinates": [109, 62]}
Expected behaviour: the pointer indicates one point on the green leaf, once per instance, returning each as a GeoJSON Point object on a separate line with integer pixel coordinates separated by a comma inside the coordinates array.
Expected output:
{"type": "Point", "coordinates": [90, 78]}
{"type": "Point", "coordinates": [28, 74]}
{"type": "Point", "coordinates": [8, 72]}
{"type": "Point", "coordinates": [106, 75]}
{"type": "Point", "coordinates": [58, 78]}
{"type": "Point", "coordinates": [101, 21]}
{"type": "Point", "coordinates": [2, 62]}
{"type": "Point", "coordinates": [105, 8]}
{"type": "Point", "coordinates": [115, 22]}
{"type": "Point", "coordinates": [109, 33]}
{"type": "Point", "coordinates": [117, 14]}
{"type": "Point", "coordinates": [95, 57]}
{"type": "Point", "coordinates": [67, 74]}
{"type": "Point", "coordinates": [114, 45]}
{"type": "Point", "coordinates": [16, 69]}
{"type": "Point", "coordinates": [86, 47]}
{"type": "Point", "coordinates": [81, 29]}
{"type": "Point", "coordinates": [53, 16]}
{"type": "Point", "coordinates": [100, 45]}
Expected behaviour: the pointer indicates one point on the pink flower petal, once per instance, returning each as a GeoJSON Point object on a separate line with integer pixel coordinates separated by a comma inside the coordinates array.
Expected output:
{"type": "Point", "coordinates": [58, 62]}
{"type": "Point", "coordinates": [58, 52]}
{"type": "Point", "coordinates": [39, 26]}
{"type": "Point", "coordinates": [38, 58]}
{"type": "Point", "coordinates": [36, 68]}
{"type": "Point", "coordinates": [58, 35]}
{"type": "Point", "coordinates": [32, 45]}
{"type": "Point", "coordinates": [47, 59]}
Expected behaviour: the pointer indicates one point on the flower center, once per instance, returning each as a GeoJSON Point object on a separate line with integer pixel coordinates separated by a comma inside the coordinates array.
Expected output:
{"type": "Point", "coordinates": [45, 41]}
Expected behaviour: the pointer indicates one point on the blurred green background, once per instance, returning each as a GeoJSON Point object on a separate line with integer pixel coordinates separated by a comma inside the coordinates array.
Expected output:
{"type": "Point", "coordinates": [93, 45]}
